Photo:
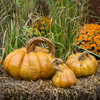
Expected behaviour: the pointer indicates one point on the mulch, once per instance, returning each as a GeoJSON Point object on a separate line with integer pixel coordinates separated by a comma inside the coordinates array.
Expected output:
{"type": "Point", "coordinates": [87, 88]}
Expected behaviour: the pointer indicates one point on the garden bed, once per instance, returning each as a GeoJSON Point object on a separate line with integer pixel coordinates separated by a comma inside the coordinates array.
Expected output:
{"type": "Point", "coordinates": [86, 89]}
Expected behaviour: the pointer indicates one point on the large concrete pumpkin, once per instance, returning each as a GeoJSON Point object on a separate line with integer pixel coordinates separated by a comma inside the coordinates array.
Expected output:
{"type": "Point", "coordinates": [26, 64]}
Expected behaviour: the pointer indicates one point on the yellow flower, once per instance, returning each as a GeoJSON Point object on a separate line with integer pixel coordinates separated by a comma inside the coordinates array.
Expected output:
{"type": "Point", "coordinates": [28, 34]}
{"type": "Point", "coordinates": [37, 32]}
{"type": "Point", "coordinates": [20, 3]}
{"type": "Point", "coordinates": [41, 27]}
{"type": "Point", "coordinates": [31, 29]}
{"type": "Point", "coordinates": [35, 25]}
{"type": "Point", "coordinates": [50, 33]}
{"type": "Point", "coordinates": [42, 32]}
{"type": "Point", "coordinates": [62, 7]}
{"type": "Point", "coordinates": [41, 19]}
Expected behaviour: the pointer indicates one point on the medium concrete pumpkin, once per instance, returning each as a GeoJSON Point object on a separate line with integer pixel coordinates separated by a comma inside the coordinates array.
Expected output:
{"type": "Point", "coordinates": [26, 64]}
{"type": "Point", "coordinates": [82, 64]}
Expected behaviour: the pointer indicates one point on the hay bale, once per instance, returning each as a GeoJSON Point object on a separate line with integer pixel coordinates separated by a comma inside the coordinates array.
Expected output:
{"type": "Point", "coordinates": [86, 89]}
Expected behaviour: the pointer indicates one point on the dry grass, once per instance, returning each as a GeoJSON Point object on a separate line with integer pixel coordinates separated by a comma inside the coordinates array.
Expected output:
{"type": "Point", "coordinates": [86, 89]}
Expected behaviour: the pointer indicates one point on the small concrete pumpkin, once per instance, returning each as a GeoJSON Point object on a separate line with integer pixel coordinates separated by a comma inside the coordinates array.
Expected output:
{"type": "Point", "coordinates": [64, 76]}
{"type": "Point", "coordinates": [26, 64]}
{"type": "Point", "coordinates": [82, 64]}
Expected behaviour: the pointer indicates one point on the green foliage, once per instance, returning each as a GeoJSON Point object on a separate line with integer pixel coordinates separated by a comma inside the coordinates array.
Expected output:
{"type": "Point", "coordinates": [66, 19]}
{"type": "Point", "coordinates": [17, 18]}
{"type": "Point", "coordinates": [14, 14]}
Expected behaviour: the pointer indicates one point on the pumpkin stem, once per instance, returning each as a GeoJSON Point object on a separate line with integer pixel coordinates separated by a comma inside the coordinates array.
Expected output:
{"type": "Point", "coordinates": [58, 61]}
{"type": "Point", "coordinates": [81, 56]}
{"type": "Point", "coordinates": [31, 44]}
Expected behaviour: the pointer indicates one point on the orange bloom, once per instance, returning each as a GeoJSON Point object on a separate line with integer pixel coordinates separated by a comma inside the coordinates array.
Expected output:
{"type": "Point", "coordinates": [83, 42]}
{"type": "Point", "coordinates": [77, 43]}
{"type": "Point", "coordinates": [91, 31]}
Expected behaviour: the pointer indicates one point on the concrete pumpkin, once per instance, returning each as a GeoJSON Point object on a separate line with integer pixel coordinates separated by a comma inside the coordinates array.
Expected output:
{"type": "Point", "coordinates": [26, 64]}
{"type": "Point", "coordinates": [82, 64]}
{"type": "Point", "coordinates": [40, 49]}
{"type": "Point", "coordinates": [64, 76]}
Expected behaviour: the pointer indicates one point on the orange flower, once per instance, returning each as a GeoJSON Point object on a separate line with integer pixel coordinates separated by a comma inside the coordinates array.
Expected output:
{"type": "Point", "coordinates": [96, 48]}
{"type": "Point", "coordinates": [77, 43]}
{"type": "Point", "coordinates": [84, 47]}
{"type": "Point", "coordinates": [92, 32]}
{"type": "Point", "coordinates": [83, 42]}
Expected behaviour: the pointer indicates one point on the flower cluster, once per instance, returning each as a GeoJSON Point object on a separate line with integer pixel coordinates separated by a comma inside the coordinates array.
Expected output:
{"type": "Point", "coordinates": [88, 37]}
{"type": "Point", "coordinates": [41, 25]}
